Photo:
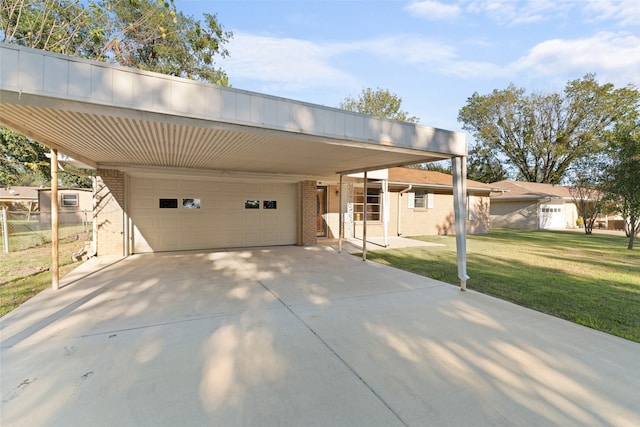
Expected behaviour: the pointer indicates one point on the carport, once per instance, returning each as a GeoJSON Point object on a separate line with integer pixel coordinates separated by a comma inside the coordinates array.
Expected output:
{"type": "Point", "coordinates": [159, 142]}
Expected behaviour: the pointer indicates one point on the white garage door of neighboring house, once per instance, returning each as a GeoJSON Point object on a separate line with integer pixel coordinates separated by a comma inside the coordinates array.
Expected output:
{"type": "Point", "coordinates": [170, 215]}
{"type": "Point", "coordinates": [552, 216]}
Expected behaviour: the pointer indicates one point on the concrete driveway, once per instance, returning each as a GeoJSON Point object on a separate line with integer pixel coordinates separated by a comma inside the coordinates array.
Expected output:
{"type": "Point", "coordinates": [293, 336]}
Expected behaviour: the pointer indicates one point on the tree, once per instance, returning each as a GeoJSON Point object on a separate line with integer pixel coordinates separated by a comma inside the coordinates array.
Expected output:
{"type": "Point", "coordinates": [542, 135]}
{"type": "Point", "coordinates": [623, 180]}
{"type": "Point", "coordinates": [484, 166]}
{"type": "Point", "coordinates": [146, 34]}
{"type": "Point", "coordinates": [378, 103]}
{"type": "Point", "coordinates": [587, 179]}
{"type": "Point", "coordinates": [25, 162]}
{"type": "Point", "coordinates": [22, 161]}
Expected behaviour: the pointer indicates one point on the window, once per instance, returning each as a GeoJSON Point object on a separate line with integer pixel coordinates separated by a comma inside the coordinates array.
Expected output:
{"type": "Point", "coordinates": [374, 201]}
{"type": "Point", "coordinates": [69, 200]}
{"type": "Point", "coordinates": [168, 203]}
{"type": "Point", "coordinates": [252, 204]}
{"type": "Point", "coordinates": [420, 199]}
{"type": "Point", "coordinates": [191, 203]}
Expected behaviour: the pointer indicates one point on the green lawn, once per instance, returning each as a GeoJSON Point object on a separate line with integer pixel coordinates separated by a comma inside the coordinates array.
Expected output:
{"type": "Point", "coordinates": [590, 280]}
{"type": "Point", "coordinates": [24, 274]}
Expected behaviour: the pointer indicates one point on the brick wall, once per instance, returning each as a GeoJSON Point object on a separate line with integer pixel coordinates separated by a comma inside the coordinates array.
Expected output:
{"type": "Point", "coordinates": [308, 234]}
{"type": "Point", "coordinates": [110, 190]}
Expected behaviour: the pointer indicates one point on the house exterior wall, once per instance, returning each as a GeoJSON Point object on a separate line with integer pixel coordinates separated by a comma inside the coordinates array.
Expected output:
{"type": "Point", "coordinates": [110, 205]}
{"type": "Point", "coordinates": [514, 214]}
{"type": "Point", "coordinates": [438, 220]}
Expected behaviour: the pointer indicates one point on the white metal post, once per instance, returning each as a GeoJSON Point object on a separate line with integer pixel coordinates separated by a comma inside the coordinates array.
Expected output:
{"type": "Point", "coordinates": [460, 213]}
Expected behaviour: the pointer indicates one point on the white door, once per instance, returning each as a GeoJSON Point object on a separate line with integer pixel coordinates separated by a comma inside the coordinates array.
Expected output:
{"type": "Point", "coordinates": [170, 215]}
{"type": "Point", "coordinates": [552, 216]}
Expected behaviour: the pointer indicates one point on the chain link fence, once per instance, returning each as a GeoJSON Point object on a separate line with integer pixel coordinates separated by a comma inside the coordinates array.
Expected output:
{"type": "Point", "coordinates": [22, 230]}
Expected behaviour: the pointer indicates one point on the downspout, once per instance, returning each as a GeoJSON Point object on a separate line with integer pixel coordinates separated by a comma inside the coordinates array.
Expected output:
{"type": "Point", "coordinates": [400, 193]}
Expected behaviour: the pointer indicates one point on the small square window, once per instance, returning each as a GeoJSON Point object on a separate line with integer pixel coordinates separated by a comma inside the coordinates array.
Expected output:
{"type": "Point", "coordinates": [252, 204]}
{"type": "Point", "coordinates": [191, 203]}
{"type": "Point", "coordinates": [168, 203]}
{"type": "Point", "coordinates": [269, 204]}
{"type": "Point", "coordinates": [69, 200]}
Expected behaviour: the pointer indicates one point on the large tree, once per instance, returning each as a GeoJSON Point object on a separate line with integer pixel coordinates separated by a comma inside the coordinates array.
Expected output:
{"type": "Point", "coordinates": [541, 135]}
{"type": "Point", "coordinates": [378, 103]}
{"type": "Point", "coordinates": [623, 181]}
{"type": "Point", "coordinates": [484, 166]}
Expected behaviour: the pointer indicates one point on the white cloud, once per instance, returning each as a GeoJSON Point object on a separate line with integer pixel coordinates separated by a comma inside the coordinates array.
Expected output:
{"type": "Point", "coordinates": [613, 57]}
{"type": "Point", "coordinates": [433, 10]}
{"type": "Point", "coordinates": [513, 12]}
{"type": "Point", "coordinates": [301, 64]}
{"type": "Point", "coordinates": [627, 12]}
{"type": "Point", "coordinates": [298, 63]}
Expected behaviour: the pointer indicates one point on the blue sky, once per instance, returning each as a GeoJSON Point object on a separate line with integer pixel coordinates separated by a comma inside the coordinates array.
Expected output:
{"type": "Point", "coordinates": [433, 54]}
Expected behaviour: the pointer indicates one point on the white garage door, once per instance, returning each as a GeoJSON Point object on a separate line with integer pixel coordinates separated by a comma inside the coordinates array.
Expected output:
{"type": "Point", "coordinates": [170, 215]}
{"type": "Point", "coordinates": [552, 216]}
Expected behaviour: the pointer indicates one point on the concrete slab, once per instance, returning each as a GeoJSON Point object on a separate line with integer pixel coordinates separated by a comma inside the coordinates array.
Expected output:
{"type": "Point", "coordinates": [300, 336]}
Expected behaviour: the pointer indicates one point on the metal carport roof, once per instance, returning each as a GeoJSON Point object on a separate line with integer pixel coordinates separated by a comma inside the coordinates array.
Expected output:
{"type": "Point", "coordinates": [106, 115]}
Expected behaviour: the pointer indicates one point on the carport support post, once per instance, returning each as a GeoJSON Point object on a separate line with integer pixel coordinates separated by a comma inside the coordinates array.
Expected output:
{"type": "Point", "coordinates": [460, 213]}
{"type": "Point", "coordinates": [55, 270]}
{"type": "Point", "coordinates": [340, 224]}
{"type": "Point", "coordinates": [364, 220]}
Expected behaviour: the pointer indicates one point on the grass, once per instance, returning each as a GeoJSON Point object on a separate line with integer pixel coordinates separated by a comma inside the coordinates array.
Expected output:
{"type": "Point", "coordinates": [24, 274]}
{"type": "Point", "coordinates": [590, 280]}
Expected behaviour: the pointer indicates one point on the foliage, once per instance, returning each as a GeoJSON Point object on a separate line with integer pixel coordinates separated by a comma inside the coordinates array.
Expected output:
{"type": "Point", "coordinates": [542, 135]}
{"type": "Point", "coordinates": [378, 103]}
{"type": "Point", "coordinates": [623, 180]}
{"type": "Point", "coordinates": [587, 178]}
{"type": "Point", "coordinates": [484, 166]}
{"type": "Point", "coordinates": [146, 34]}
{"type": "Point", "coordinates": [22, 161]}
{"type": "Point", "coordinates": [591, 280]}
{"type": "Point", "coordinates": [443, 166]}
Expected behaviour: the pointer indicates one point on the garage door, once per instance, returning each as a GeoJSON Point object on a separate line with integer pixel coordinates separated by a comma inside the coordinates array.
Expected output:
{"type": "Point", "coordinates": [170, 215]}
{"type": "Point", "coordinates": [552, 216]}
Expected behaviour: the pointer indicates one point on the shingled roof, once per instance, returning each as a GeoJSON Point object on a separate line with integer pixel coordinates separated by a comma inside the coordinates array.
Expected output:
{"type": "Point", "coordinates": [430, 178]}
{"type": "Point", "coordinates": [529, 190]}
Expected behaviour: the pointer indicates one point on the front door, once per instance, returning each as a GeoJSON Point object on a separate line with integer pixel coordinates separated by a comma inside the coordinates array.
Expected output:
{"type": "Point", "coordinates": [321, 195]}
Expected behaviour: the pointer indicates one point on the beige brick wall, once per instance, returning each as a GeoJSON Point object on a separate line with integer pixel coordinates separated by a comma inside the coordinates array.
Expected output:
{"type": "Point", "coordinates": [415, 222]}
{"type": "Point", "coordinates": [110, 195]}
{"type": "Point", "coordinates": [308, 233]}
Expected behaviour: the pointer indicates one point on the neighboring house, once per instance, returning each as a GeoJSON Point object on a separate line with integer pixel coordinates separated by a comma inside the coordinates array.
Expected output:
{"type": "Point", "coordinates": [75, 205]}
{"type": "Point", "coordinates": [16, 198]}
{"type": "Point", "coordinates": [532, 206]}
{"type": "Point", "coordinates": [400, 201]}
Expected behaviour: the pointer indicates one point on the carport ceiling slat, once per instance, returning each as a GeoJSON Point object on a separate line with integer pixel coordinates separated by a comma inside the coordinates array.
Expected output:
{"type": "Point", "coordinates": [110, 140]}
